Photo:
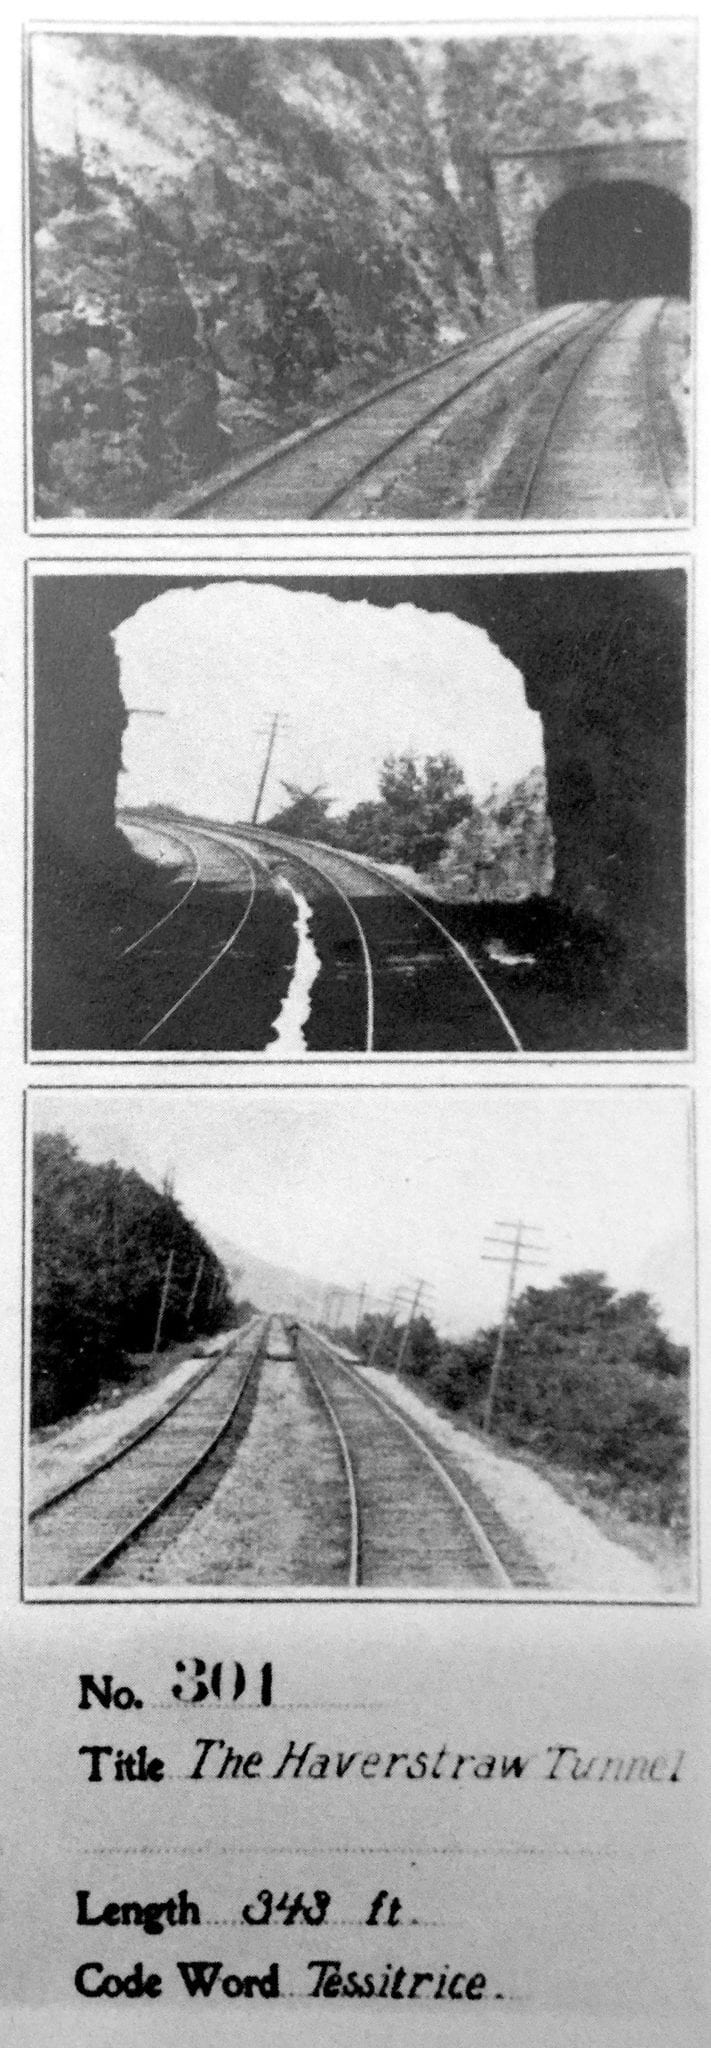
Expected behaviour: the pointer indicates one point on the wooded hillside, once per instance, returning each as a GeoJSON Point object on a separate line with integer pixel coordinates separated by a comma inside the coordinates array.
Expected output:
{"type": "Point", "coordinates": [104, 1242]}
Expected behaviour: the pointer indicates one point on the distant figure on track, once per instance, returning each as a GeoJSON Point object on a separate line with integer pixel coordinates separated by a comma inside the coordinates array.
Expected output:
{"type": "Point", "coordinates": [292, 1331]}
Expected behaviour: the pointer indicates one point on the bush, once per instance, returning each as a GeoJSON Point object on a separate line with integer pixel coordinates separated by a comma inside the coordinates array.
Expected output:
{"type": "Point", "coordinates": [589, 1382]}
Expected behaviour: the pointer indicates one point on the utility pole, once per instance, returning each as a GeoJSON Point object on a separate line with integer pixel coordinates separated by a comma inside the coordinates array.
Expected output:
{"type": "Point", "coordinates": [517, 1253]}
{"type": "Point", "coordinates": [194, 1293]}
{"type": "Point", "coordinates": [163, 1300]}
{"type": "Point", "coordinates": [414, 1304]}
{"type": "Point", "coordinates": [265, 771]}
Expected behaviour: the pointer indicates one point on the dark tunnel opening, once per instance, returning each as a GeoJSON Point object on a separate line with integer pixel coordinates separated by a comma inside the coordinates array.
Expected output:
{"type": "Point", "coordinates": [614, 240]}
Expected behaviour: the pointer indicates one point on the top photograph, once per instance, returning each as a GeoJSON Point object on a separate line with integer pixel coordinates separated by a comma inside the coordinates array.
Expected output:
{"type": "Point", "coordinates": [360, 280]}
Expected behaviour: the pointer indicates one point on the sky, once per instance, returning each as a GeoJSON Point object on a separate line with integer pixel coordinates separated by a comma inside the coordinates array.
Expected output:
{"type": "Point", "coordinates": [388, 1184]}
{"type": "Point", "coordinates": [351, 681]}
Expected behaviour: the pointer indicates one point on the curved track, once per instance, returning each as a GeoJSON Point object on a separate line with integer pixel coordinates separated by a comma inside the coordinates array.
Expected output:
{"type": "Point", "coordinates": [251, 844]}
{"type": "Point", "coordinates": [76, 1533]}
{"type": "Point", "coordinates": [361, 863]}
{"type": "Point", "coordinates": [308, 475]}
{"type": "Point", "coordinates": [409, 1523]}
{"type": "Point", "coordinates": [235, 843]}
{"type": "Point", "coordinates": [188, 846]}
{"type": "Point", "coordinates": [304, 860]}
{"type": "Point", "coordinates": [159, 922]}
{"type": "Point", "coordinates": [212, 964]}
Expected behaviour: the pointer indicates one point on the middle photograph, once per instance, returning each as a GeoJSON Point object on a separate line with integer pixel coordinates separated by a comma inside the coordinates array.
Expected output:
{"type": "Point", "coordinates": [429, 813]}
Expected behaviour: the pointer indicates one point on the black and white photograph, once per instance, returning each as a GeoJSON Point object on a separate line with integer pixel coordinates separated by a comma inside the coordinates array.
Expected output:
{"type": "Point", "coordinates": [365, 1339]}
{"type": "Point", "coordinates": [355, 1058]}
{"type": "Point", "coordinates": [359, 814]}
{"type": "Point", "coordinates": [362, 278]}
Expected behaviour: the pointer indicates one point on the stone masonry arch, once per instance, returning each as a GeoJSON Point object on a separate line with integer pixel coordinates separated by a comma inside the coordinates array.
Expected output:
{"type": "Point", "coordinates": [529, 182]}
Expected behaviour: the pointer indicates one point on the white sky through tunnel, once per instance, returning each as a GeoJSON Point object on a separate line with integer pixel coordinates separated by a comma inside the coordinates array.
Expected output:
{"type": "Point", "coordinates": [352, 682]}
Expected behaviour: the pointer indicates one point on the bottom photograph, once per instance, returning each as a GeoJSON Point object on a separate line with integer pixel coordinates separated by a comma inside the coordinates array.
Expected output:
{"type": "Point", "coordinates": [360, 1341]}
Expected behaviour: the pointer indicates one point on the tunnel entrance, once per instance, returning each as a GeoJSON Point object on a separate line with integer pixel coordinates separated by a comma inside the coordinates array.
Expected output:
{"type": "Point", "coordinates": [613, 240]}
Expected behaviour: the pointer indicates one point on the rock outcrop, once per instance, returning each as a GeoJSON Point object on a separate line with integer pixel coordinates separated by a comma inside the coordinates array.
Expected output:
{"type": "Point", "coordinates": [232, 233]}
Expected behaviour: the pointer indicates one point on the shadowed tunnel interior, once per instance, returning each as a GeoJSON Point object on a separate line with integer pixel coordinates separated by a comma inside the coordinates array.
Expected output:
{"type": "Point", "coordinates": [604, 662]}
{"type": "Point", "coordinates": [613, 240]}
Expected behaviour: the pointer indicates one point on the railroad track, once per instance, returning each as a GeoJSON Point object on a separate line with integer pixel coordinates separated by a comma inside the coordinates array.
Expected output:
{"type": "Point", "coordinates": [308, 475]}
{"type": "Point", "coordinates": [312, 865]}
{"type": "Point", "coordinates": [221, 954]}
{"type": "Point", "coordinates": [655, 440]}
{"type": "Point", "coordinates": [545, 475]}
{"type": "Point", "coordinates": [402, 1517]}
{"type": "Point", "coordinates": [213, 963]}
{"type": "Point", "coordinates": [299, 860]}
{"type": "Point", "coordinates": [407, 1520]}
{"type": "Point", "coordinates": [362, 864]}
{"type": "Point", "coordinates": [194, 867]}
{"type": "Point", "coordinates": [76, 1533]}
{"type": "Point", "coordinates": [312, 858]}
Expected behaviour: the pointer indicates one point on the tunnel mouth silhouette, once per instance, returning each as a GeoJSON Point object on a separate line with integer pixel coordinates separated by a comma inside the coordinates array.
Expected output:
{"type": "Point", "coordinates": [616, 239]}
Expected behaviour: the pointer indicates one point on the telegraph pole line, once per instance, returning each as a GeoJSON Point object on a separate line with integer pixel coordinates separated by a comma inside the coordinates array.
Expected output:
{"type": "Point", "coordinates": [274, 727]}
{"type": "Point", "coordinates": [163, 1300]}
{"type": "Point", "coordinates": [517, 1254]}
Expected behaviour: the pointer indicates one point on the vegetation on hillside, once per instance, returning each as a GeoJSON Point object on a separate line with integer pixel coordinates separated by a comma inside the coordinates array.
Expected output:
{"type": "Point", "coordinates": [102, 1241]}
{"type": "Point", "coordinates": [230, 232]}
{"type": "Point", "coordinates": [499, 849]}
{"type": "Point", "coordinates": [590, 1383]}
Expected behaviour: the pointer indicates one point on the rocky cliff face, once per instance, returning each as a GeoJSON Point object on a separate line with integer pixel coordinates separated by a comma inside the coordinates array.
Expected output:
{"type": "Point", "coordinates": [230, 233]}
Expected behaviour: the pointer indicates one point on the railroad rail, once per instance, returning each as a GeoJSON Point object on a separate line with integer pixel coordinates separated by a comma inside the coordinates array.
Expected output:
{"type": "Point", "coordinates": [313, 866]}
{"type": "Point", "coordinates": [299, 859]}
{"type": "Point", "coordinates": [569, 381]}
{"type": "Point", "coordinates": [294, 478]}
{"type": "Point", "coordinates": [663, 477]}
{"type": "Point", "coordinates": [221, 954]}
{"type": "Point", "coordinates": [361, 862]}
{"type": "Point", "coordinates": [193, 864]}
{"type": "Point", "coordinates": [377, 1444]}
{"type": "Point", "coordinates": [315, 857]}
{"type": "Point", "coordinates": [534, 472]}
{"type": "Point", "coordinates": [406, 1519]}
{"type": "Point", "coordinates": [77, 1532]}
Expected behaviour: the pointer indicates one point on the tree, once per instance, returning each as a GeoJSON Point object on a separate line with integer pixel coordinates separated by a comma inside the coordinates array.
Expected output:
{"type": "Point", "coordinates": [504, 850]}
{"type": "Point", "coordinates": [420, 804]}
{"type": "Point", "coordinates": [425, 803]}
{"type": "Point", "coordinates": [382, 1331]}
{"type": "Point", "coordinates": [306, 814]}
{"type": "Point", "coordinates": [101, 1241]}
{"type": "Point", "coordinates": [422, 1351]}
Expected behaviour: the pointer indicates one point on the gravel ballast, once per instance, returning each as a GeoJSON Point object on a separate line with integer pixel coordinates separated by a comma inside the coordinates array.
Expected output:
{"type": "Point", "coordinates": [68, 1450]}
{"type": "Point", "coordinates": [278, 1517]}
